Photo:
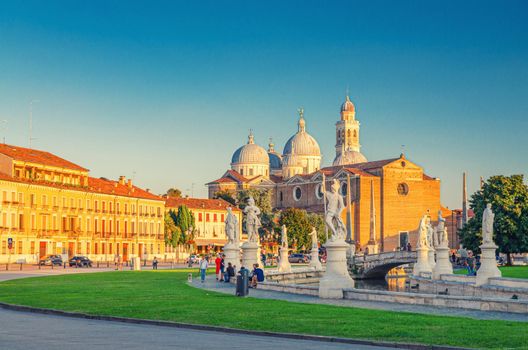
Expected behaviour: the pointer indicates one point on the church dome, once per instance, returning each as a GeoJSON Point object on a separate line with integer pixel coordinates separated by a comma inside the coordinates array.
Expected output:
{"type": "Point", "coordinates": [348, 106]}
{"type": "Point", "coordinates": [250, 153]}
{"type": "Point", "coordinates": [275, 159]}
{"type": "Point", "coordinates": [303, 143]}
{"type": "Point", "coordinates": [349, 157]}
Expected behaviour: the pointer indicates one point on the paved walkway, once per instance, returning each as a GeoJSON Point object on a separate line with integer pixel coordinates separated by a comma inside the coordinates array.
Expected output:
{"type": "Point", "coordinates": [228, 288]}
{"type": "Point", "coordinates": [56, 333]}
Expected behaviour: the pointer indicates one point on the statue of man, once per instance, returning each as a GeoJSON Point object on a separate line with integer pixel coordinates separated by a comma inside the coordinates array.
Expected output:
{"type": "Point", "coordinates": [313, 234]}
{"type": "Point", "coordinates": [430, 235]}
{"type": "Point", "coordinates": [284, 237]}
{"type": "Point", "coordinates": [439, 234]}
{"type": "Point", "coordinates": [422, 233]}
{"type": "Point", "coordinates": [334, 207]}
{"type": "Point", "coordinates": [252, 220]}
{"type": "Point", "coordinates": [487, 224]}
{"type": "Point", "coordinates": [231, 227]}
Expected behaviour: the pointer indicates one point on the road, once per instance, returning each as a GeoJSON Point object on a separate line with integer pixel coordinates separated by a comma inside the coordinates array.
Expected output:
{"type": "Point", "coordinates": [28, 331]}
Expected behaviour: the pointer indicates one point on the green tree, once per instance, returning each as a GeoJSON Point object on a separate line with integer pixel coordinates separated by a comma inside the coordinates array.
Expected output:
{"type": "Point", "coordinates": [299, 227]}
{"type": "Point", "coordinates": [317, 221]}
{"type": "Point", "coordinates": [172, 232]}
{"type": "Point", "coordinates": [225, 195]}
{"type": "Point", "coordinates": [174, 193]}
{"type": "Point", "coordinates": [184, 221]}
{"type": "Point", "coordinates": [508, 196]}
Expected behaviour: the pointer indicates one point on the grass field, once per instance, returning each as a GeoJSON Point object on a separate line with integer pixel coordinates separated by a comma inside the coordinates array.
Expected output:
{"type": "Point", "coordinates": [165, 295]}
{"type": "Point", "coordinates": [507, 271]}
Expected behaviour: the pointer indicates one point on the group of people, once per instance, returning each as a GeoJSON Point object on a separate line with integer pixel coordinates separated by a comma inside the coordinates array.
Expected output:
{"type": "Point", "coordinates": [224, 273]}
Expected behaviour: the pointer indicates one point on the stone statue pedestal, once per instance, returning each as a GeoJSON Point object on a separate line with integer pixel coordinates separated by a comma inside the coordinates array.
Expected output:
{"type": "Point", "coordinates": [284, 263]}
{"type": "Point", "coordinates": [232, 255]}
{"type": "Point", "coordinates": [373, 247]}
{"type": "Point", "coordinates": [431, 258]}
{"type": "Point", "coordinates": [488, 265]}
{"type": "Point", "coordinates": [443, 264]}
{"type": "Point", "coordinates": [250, 254]}
{"type": "Point", "coordinates": [314, 261]}
{"type": "Point", "coordinates": [336, 277]}
{"type": "Point", "coordinates": [422, 263]}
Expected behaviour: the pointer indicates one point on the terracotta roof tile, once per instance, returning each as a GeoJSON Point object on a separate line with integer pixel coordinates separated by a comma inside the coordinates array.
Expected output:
{"type": "Point", "coordinates": [199, 203]}
{"type": "Point", "coordinates": [94, 186]}
{"type": "Point", "coordinates": [36, 156]}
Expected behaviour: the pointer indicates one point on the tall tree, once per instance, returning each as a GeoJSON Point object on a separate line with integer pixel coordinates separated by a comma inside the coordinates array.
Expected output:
{"type": "Point", "coordinates": [225, 195]}
{"type": "Point", "coordinates": [172, 232]}
{"type": "Point", "coordinates": [299, 227]}
{"type": "Point", "coordinates": [184, 221]}
{"type": "Point", "coordinates": [508, 196]}
{"type": "Point", "coordinates": [174, 193]}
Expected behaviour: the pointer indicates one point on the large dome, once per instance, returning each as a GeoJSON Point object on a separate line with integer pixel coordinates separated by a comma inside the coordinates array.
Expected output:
{"type": "Point", "coordinates": [250, 153]}
{"type": "Point", "coordinates": [303, 144]}
{"type": "Point", "coordinates": [349, 157]}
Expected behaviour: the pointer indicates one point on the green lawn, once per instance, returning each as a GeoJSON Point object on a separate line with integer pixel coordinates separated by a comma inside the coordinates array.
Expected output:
{"type": "Point", "coordinates": [164, 295]}
{"type": "Point", "coordinates": [507, 271]}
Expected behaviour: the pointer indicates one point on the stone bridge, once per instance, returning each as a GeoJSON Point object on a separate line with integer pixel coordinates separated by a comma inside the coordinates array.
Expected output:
{"type": "Point", "coordinates": [377, 265]}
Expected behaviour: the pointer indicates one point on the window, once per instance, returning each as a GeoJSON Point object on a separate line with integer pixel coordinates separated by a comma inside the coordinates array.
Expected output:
{"type": "Point", "coordinates": [319, 191]}
{"type": "Point", "coordinates": [403, 189]}
{"type": "Point", "coordinates": [251, 172]}
{"type": "Point", "coordinates": [404, 239]}
{"type": "Point", "coordinates": [32, 247]}
{"type": "Point", "coordinates": [20, 247]}
{"type": "Point", "coordinates": [200, 217]}
{"type": "Point", "coordinates": [280, 196]}
{"type": "Point", "coordinates": [222, 218]}
{"type": "Point", "coordinates": [344, 188]}
{"type": "Point", "coordinates": [215, 218]}
{"type": "Point", "coordinates": [297, 193]}
{"type": "Point", "coordinates": [207, 217]}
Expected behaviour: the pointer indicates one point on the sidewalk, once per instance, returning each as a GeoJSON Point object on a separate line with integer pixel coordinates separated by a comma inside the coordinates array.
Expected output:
{"type": "Point", "coordinates": [228, 288]}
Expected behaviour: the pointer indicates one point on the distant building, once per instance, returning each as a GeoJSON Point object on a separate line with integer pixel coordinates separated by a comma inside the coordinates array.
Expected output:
{"type": "Point", "coordinates": [403, 192]}
{"type": "Point", "coordinates": [52, 206]}
{"type": "Point", "coordinates": [209, 216]}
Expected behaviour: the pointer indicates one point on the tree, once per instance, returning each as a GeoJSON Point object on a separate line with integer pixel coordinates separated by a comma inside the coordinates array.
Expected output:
{"type": "Point", "coordinates": [298, 226]}
{"type": "Point", "coordinates": [225, 195]}
{"type": "Point", "coordinates": [508, 196]}
{"type": "Point", "coordinates": [172, 232]}
{"type": "Point", "coordinates": [184, 221]}
{"type": "Point", "coordinates": [174, 193]}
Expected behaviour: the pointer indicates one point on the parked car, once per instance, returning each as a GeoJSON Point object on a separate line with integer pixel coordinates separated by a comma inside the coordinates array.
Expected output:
{"type": "Point", "coordinates": [298, 258]}
{"type": "Point", "coordinates": [80, 261]}
{"type": "Point", "coordinates": [51, 260]}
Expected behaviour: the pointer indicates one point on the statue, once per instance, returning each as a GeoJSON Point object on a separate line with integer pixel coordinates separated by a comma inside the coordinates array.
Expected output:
{"type": "Point", "coordinates": [422, 232]}
{"type": "Point", "coordinates": [441, 221]}
{"type": "Point", "coordinates": [252, 221]}
{"type": "Point", "coordinates": [430, 235]}
{"type": "Point", "coordinates": [487, 224]}
{"type": "Point", "coordinates": [231, 227]}
{"type": "Point", "coordinates": [440, 235]}
{"type": "Point", "coordinates": [313, 234]}
{"type": "Point", "coordinates": [334, 207]}
{"type": "Point", "coordinates": [284, 237]}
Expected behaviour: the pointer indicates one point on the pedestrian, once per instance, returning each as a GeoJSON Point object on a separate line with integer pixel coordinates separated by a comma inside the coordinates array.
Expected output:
{"type": "Point", "coordinates": [453, 257]}
{"type": "Point", "coordinates": [409, 247]}
{"type": "Point", "coordinates": [230, 272]}
{"type": "Point", "coordinates": [256, 276]}
{"type": "Point", "coordinates": [366, 251]}
{"type": "Point", "coordinates": [116, 261]}
{"type": "Point", "coordinates": [155, 264]}
{"type": "Point", "coordinates": [222, 268]}
{"type": "Point", "coordinates": [263, 259]}
{"type": "Point", "coordinates": [218, 261]}
{"type": "Point", "coordinates": [204, 264]}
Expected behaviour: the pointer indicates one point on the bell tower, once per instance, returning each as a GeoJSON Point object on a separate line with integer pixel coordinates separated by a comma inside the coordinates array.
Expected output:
{"type": "Point", "coordinates": [347, 129]}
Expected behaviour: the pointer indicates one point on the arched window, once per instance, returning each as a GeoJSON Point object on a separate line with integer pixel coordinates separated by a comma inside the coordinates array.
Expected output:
{"type": "Point", "coordinates": [297, 193]}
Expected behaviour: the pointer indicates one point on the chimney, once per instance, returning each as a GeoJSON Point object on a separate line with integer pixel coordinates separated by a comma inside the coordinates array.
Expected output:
{"type": "Point", "coordinates": [129, 183]}
{"type": "Point", "coordinates": [121, 180]}
{"type": "Point", "coordinates": [147, 189]}
{"type": "Point", "coordinates": [464, 200]}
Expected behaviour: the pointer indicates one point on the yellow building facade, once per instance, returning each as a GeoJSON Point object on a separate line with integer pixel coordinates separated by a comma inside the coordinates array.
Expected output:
{"type": "Point", "coordinates": [52, 206]}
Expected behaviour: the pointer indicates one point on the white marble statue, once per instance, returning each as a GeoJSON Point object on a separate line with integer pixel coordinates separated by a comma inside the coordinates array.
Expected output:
{"type": "Point", "coordinates": [487, 224]}
{"type": "Point", "coordinates": [284, 237]}
{"type": "Point", "coordinates": [334, 208]}
{"type": "Point", "coordinates": [252, 220]}
{"type": "Point", "coordinates": [430, 235]}
{"type": "Point", "coordinates": [441, 231]}
{"type": "Point", "coordinates": [422, 233]}
{"type": "Point", "coordinates": [231, 227]}
{"type": "Point", "coordinates": [313, 234]}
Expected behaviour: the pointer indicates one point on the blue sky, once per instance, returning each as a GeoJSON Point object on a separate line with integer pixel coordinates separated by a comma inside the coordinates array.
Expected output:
{"type": "Point", "coordinates": [166, 91]}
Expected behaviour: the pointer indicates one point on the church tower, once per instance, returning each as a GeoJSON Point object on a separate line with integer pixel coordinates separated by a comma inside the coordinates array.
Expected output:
{"type": "Point", "coordinates": [348, 149]}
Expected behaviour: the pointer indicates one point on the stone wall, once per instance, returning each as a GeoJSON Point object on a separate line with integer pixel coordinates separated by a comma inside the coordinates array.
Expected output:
{"type": "Point", "coordinates": [302, 275]}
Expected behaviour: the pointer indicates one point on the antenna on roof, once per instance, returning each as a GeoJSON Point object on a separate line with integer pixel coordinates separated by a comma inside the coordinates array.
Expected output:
{"type": "Point", "coordinates": [3, 126]}
{"type": "Point", "coordinates": [402, 150]}
{"type": "Point", "coordinates": [31, 121]}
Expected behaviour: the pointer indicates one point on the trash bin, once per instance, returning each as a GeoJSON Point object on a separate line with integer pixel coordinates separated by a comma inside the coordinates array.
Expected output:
{"type": "Point", "coordinates": [242, 285]}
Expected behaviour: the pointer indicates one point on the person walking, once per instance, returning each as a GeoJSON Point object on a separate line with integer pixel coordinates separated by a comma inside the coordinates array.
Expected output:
{"type": "Point", "coordinates": [204, 264]}
{"type": "Point", "coordinates": [218, 262]}
{"type": "Point", "coordinates": [222, 268]}
{"type": "Point", "coordinates": [155, 264]}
